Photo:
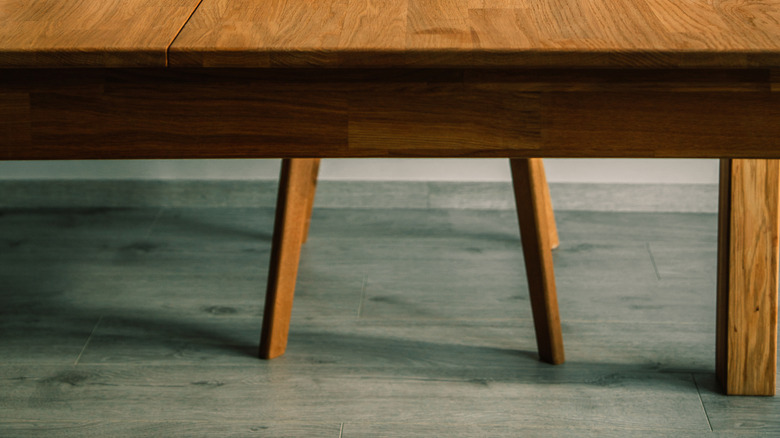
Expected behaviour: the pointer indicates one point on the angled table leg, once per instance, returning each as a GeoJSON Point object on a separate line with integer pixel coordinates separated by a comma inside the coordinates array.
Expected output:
{"type": "Point", "coordinates": [748, 276]}
{"type": "Point", "coordinates": [295, 201]}
{"type": "Point", "coordinates": [293, 205]}
{"type": "Point", "coordinates": [534, 214]}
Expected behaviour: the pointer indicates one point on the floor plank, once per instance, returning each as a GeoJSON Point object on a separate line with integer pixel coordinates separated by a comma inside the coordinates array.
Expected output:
{"type": "Point", "coordinates": [757, 415]}
{"type": "Point", "coordinates": [302, 394]}
{"type": "Point", "coordinates": [102, 428]}
{"type": "Point", "coordinates": [146, 322]}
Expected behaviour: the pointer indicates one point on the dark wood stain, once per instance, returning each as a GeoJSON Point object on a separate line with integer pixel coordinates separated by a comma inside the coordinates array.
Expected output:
{"type": "Point", "coordinates": [246, 113]}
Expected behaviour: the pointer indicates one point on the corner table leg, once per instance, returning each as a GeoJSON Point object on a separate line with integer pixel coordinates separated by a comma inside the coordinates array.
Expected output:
{"type": "Point", "coordinates": [748, 232]}
{"type": "Point", "coordinates": [292, 205]}
{"type": "Point", "coordinates": [532, 201]}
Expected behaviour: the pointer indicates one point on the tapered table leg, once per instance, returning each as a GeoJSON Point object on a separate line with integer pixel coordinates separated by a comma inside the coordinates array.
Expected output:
{"type": "Point", "coordinates": [534, 217]}
{"type": "Point", "coordinates": [748, 276]}
{"type": "Point", "coordinates": [293, 206]}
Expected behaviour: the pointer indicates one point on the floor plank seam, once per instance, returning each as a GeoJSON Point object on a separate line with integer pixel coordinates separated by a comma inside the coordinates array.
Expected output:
{"type": "Point", "coordinates": [652, 260]}
{"type": "Point", "coordinates": [704, 408]}
{"type": "Point", "coordinates": [76, 362]}
{"type": "Point", "coordinates": [362, 296]}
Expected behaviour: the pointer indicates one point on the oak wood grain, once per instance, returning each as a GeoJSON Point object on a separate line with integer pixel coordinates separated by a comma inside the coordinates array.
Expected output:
{"type": "Point", "coordinates": [385, 33]}
{"type": "Point", "coordinates": [211, 113]}
{"type": "Point", "coordinates": [61, 33]}
{"type": "Point", "coordinates": [534, 220]}
{"type": "Point", "coordinates": [748, 276]}
{"type": "Point", "coordinates": [468, 33]}
{"type": "Point", "coordinates": [295, 191]}
{"type": "Point", "coordinates": [425, 118]}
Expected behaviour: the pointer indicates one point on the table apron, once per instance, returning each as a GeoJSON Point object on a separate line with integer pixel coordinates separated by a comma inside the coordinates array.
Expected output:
{"type": "Point", "coordinates": [248, 113]}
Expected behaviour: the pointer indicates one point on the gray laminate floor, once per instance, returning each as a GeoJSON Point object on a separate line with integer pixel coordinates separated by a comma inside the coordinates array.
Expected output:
{"type": "Point", "coordinates": [142, 322]}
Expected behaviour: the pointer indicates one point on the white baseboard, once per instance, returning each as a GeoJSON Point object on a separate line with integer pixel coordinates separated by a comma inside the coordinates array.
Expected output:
{"type": "Point", "coordinates": [698, 198]}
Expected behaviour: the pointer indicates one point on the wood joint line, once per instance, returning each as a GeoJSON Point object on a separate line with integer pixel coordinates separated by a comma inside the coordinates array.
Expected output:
{"type": "Point", "coordinates": [178, 32]}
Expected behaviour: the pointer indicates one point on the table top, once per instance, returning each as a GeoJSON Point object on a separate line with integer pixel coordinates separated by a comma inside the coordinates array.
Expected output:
{"type": "Point", "coordinates": [95, 33]}
{"type": "Point", "coordinates": [391, 33]}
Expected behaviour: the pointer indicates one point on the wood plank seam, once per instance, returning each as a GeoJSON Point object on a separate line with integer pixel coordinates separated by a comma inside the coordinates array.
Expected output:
{"type": "Point", "coordinates": [178, 32]}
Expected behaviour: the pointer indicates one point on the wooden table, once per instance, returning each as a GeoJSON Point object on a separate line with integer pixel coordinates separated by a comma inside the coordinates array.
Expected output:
{"type": "Point", "coordinates": [121, 79]}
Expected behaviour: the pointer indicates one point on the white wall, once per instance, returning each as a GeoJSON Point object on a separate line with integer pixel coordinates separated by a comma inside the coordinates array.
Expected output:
{"type": "Point", "coordinates": [558, 170]}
